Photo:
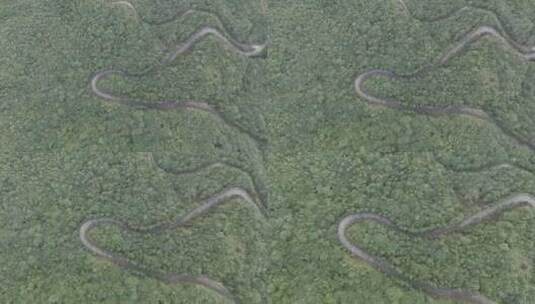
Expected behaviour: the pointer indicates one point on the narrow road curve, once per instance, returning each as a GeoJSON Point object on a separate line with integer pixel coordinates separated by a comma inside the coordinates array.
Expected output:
{"type": "Point", "coordinates": [485, 167]}
{"type": "Point", "coordinates": [168, 278]}
{"type": "Point", "coordinates": [465, 296]}
{"type": "Point", "coordinates": [257, 196]}
{"type": "Point", "coordinates": [523, 52]}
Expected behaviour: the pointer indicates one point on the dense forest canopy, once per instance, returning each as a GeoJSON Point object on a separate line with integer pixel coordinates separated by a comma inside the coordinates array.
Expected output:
{"type": "Point", "coordinates": [267, 151]}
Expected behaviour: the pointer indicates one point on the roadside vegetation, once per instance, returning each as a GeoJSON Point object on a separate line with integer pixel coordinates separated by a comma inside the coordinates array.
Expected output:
{"type": "Point", "coordinates": [314, 151]}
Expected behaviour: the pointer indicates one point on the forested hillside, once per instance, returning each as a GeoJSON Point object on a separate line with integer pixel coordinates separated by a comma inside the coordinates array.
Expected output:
{"type": "Point", "coordinates": [267, 151]}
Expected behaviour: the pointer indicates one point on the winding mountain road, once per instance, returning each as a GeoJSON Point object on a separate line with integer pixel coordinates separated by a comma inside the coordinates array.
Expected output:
{"type": "Point", "coordinates": [360, 253]}
{"type": "Point", "coordinates": [168, 278]}
{"type": "Point", "coordinates": [523, 52]}
{"type": "Point", "coordinates": [243, 49]}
